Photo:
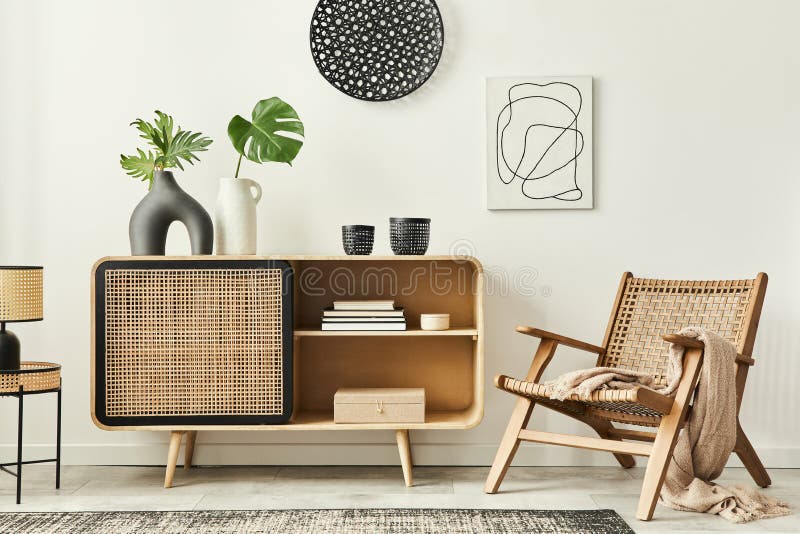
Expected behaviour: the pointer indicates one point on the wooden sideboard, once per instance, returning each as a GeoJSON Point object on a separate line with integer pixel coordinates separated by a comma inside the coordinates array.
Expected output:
{"type": "Point", "coordinates": [449, 364]}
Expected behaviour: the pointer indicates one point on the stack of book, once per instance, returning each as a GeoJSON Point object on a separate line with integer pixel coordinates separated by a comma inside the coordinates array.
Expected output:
{"type": "Point", "coordinates": [363, 315]}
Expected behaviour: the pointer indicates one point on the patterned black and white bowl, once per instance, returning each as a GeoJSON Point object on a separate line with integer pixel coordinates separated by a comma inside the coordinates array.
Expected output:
{"type": "Point", "coordinates": [409, 236]}
{"type": "Point", "coordinates": [357, 239]}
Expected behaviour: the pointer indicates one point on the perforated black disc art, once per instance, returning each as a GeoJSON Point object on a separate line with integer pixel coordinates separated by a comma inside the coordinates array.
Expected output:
{"type": "Point", "coordinates": [377, 49]}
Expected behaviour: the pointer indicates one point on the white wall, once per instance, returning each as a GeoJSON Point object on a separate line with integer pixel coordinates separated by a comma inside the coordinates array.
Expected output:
{"type": "Point", "coordinates": [695, 176]}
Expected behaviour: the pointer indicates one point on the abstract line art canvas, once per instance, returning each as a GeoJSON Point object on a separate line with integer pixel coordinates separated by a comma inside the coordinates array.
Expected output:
{"type": "Point", "coordinates": [539, 137]}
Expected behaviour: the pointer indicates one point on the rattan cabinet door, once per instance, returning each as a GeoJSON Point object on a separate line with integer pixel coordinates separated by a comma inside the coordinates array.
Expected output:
{"type": "Point", "coordinates": [192, 342]}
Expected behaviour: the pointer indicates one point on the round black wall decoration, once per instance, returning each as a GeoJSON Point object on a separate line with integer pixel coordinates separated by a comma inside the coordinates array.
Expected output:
{"type": "Point", "coordinates": [377, 49]}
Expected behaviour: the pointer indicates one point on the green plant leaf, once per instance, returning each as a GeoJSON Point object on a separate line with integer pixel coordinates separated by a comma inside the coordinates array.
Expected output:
{"type": "Point", "coordinates": [171, 145]}
{"type": "Point", "coordinates": [141, 165]}
{"type": "Point", "coordinates": [165, 125]}
{"type": "Point", "coordinates": [262, 139]}
{"type": "Point", "coordinates": [182, 147]}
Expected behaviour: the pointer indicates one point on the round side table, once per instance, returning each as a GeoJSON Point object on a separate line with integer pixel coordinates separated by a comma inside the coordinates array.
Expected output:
{"type": "Point", "coordinates": [33, 378]}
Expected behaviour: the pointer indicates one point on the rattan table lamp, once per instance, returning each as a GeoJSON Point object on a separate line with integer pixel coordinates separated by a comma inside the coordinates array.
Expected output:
{"type": "Point", "coordinates": [20, 301]}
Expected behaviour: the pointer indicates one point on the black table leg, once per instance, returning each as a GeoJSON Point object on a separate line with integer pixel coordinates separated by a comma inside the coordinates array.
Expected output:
{"type": "Point", "coordinates": [19, 446]}
{"type": "Point", "coordinates": [58, 441]}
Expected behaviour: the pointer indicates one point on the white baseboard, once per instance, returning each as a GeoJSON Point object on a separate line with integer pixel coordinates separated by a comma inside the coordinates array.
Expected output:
{"type": "Point", "coordinates": [347, 454]}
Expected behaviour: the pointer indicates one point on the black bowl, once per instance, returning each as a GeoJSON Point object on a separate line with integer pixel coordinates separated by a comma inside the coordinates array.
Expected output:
{"type": "Point", "coordinates": [409, 236]}
{"type": "Point", "coordinates": [357, 239]}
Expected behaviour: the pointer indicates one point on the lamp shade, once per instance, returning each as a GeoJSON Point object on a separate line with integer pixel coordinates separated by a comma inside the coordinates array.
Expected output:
{"type": "Point", "coordinates": [21, 294]}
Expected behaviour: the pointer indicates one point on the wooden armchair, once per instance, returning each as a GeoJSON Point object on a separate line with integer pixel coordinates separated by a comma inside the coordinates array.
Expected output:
{"type": "Point", "coordinates": [647, 314]}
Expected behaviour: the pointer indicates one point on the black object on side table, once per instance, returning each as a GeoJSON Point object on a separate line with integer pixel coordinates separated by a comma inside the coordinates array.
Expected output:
{"type": "Point", "coordinates": [33, 378]}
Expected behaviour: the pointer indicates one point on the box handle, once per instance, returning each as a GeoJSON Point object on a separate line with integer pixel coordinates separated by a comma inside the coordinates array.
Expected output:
{"type": "Point", "coordinates": [379, 406]}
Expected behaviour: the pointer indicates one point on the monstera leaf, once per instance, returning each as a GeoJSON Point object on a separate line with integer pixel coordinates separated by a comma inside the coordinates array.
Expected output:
{"type": "Point", "coordinates": [263, 138]}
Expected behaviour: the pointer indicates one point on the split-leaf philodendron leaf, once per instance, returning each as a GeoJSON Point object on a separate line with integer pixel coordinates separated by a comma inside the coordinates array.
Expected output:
{"type": "Point", "coordinates": [170, 147]}
{"type": "Point", "coordinates": [263, 138]}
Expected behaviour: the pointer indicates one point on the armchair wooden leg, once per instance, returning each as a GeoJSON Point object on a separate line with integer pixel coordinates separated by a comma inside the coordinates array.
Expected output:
{"type": "Point", "coordinates": [657, 468]}
{"type": "Point", "coordinates": [667, 436]}
{"type": "Point", "coordinates": [747, 454]}
{"type": "Point", "coordinates": [404, 446]}
{"type": "Point", "coordinates": [519, 419]}
{"type": "Point", "coordinates": [188, 453]}
{"type": "Point", "coordinates": [602, 428]}
{"type": "Point", "coordinates": [508, 445]}
{"type": "Point", "coordinates": [172, 457]}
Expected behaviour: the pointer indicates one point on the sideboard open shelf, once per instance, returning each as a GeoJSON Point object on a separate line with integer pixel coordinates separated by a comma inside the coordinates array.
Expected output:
{"type": "Point", "coordinates": [448, 364]}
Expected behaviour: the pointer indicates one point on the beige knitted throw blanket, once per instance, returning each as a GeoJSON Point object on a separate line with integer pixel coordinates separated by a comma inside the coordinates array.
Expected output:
{"type": "Point", "coordinates": [707, 439]}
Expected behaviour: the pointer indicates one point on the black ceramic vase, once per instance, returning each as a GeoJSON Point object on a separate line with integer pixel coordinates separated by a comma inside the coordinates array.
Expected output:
{"type": "Point", "coordinates": [164, 204]}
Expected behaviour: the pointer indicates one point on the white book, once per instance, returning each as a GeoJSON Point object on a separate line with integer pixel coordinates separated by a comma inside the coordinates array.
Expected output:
{"type": "Point", "coordinates": [363, 319]}
{"type": "Point", "coordinates": [330, 312]}
{"type": "Point", "coordinates": [355, 327]}
{"type": "Point", "coordinates": [363, 305]}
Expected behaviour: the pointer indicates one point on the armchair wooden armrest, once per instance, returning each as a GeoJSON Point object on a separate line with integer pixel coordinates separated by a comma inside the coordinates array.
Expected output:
{"type": "Point", "coordinates": [562, 340]}
{"type": "Point", "coordinates": [684, 341]}
{"type": "Point", "coordinates": [691, 343]}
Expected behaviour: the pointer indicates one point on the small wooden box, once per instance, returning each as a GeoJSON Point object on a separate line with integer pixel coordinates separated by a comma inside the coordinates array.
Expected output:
{"type": "Point", "coordinates": [379, 405]}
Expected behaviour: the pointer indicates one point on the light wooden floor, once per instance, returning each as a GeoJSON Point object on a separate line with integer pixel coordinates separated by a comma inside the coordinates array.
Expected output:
{"type": "Point", "coordinates": [140, 488]}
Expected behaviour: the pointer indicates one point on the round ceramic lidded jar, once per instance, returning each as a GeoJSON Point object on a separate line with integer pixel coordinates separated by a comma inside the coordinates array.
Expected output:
{"type": "Point", "coordinates": [357, 239]}
{"type": "Point", "coordinates": [434, 321]}
{"type": "Point", "coordinates": [409, 236]}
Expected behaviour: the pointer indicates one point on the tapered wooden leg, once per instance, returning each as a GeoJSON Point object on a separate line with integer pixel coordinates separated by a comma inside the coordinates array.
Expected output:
{"type": "Point", "coordinates": [657, 468]}
{"type": "Point", "coordinates": [667, 436]}
{"type": "Point", "coordinates": [747, 454]}
{"type": "Point", "coordinates": [519, 419]}
{"type": "Point", "coordinates": [508, 445]}
{"type": "Point", "coordinates": [188, 452]}
{"type": "Point", "coordinates": [602, 428]}
{"type": "Point", "coordinates": [404, 446]}
{"type": "Point", "coordinates": [172, 457]}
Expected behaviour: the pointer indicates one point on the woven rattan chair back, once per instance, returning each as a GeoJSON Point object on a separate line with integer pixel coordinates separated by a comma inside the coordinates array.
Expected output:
{"type": "Point", "coordinates": [648, 308]}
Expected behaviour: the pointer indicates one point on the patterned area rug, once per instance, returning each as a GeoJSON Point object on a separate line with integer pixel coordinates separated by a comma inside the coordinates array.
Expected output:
{"type": "Point", "coordinates": [311, 521]}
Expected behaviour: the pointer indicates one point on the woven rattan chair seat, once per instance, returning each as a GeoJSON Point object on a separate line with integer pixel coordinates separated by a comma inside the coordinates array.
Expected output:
{"type": "Point", "coordinates": [611, 404]}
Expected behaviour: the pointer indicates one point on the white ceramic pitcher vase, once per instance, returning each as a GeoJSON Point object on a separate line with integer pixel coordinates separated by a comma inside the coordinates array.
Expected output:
{"type": "Point", "coordinates": [235, 225]}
